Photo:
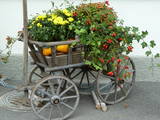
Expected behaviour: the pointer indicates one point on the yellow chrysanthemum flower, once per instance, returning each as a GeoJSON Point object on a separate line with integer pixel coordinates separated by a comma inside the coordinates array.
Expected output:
{"type": "Point", "coordinates": [39, 25]}
{"type": "Point", "coordinates": [66, 22]}
{"type": "Point", "coordinates": [54, 16]}
{"type": "Point", "coordinates": [50, 19]}
{"type": "Point", "coordinates": [58, 20]}
{"type": "Point", "coordinates": [67, 13]}
{"type": "Point", "coordinates": [40, 17]}
{"type": "Point", "coordinates": [70, 19]}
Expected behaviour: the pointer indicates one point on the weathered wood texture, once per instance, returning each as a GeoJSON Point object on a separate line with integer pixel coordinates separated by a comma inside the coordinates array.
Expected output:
{"type": "Point", "coordinates": [56, 60]}
{"type": "Point", "coordinates": [25, 49]}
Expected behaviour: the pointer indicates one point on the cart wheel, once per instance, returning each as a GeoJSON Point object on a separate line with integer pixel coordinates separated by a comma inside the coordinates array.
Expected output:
{"type": "Point", "coordinates": [36, 74]}
{"type": "Point", "coordinates": [54, 98]}
{"type": "Point", "coordinates": [83, 77]}
{"type": "Point", "coordinates": [112, 90]}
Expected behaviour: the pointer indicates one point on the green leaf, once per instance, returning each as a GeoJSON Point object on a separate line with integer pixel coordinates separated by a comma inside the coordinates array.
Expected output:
{"type": "Point", "coordinates": [148, 53]}
{"type": "Point", "coordinates": [157, 55]}
{"type": "Point", "coordinates": [152, 43]}
{"type": "Point", "coordinates": [144, 44]}
{"type": "Point", "coordinates": [88, 62]}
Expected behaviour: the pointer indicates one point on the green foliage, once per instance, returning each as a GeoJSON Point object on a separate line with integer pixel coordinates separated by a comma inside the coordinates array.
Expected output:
{"type": "Point", "coordinates": [105, 35]}
{"type": "Point", "coordinates": [98, 27]}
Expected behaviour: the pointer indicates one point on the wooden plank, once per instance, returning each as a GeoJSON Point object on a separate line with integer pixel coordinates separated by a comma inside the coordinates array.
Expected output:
{"type": "Point", "coordinates": [25, 48]}
{"type": "Point", "coordinates": [42, 57]}
{"type": "Point", "coordinates": [33, 52]}
{"type": "Point", "coordinates": [69, 59]}
{"type": "Point", "coordinates": [49, 44]}
{"type": "Point", "coordinates": [63, 67]}
{"type": "Point", "coordinates": [53, 61]}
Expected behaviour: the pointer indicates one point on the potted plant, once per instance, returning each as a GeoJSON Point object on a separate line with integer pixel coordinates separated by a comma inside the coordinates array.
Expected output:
{"type": "Point", "coordinates": [51, 33]}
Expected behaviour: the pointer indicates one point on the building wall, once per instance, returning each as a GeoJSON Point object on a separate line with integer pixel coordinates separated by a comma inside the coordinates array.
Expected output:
{"type": "Point", "coordinates": [141, 13]}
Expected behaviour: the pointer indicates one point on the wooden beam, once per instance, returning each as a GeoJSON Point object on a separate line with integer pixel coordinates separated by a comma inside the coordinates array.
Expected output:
{"type": "Point", "coordinates": [25, 48]}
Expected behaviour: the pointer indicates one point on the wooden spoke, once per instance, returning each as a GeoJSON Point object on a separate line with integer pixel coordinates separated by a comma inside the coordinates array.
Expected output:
{"type": "Point", "coordinates": [105, 86]}
{"type": "Point", "coordinates": [52, 87]}
{"type": "Point", "coordinates": [76, 75]}
{"type": "Point", "coordinates": [44, 99]}
{"type": "Point", "coordinates": [115, 94]}
{"type": "Point", "coordinates": [81, 79]}
{"type": "Point", "coordinates": [66, 90]}
{"type": "Point", "coordinates": [38, 75]}
{"type": "Point", "coordinates": [50, 113]}
{"type": "Point", "coordinates": [122, 89]}
{"type": "Point", "coordinates": [44, 92]}
{"type": "Point", "coordinates": [45, 106]}
{"type": "Point", "coordinates": [60, 110]}
{"type": "Point", "coordinates": [68, 106]}
{"type": "Point", "coordinates": [92, 74]}
{"type": "Point", "coordinates": [87, 78]}
{"type": "Point", "coordinates": [59, 86]}
{"type": "Point", "coordinates": [69, 97]}
{"type": "Point", "coordinates": [110, 91]}
{"type": "Point", "coordinates": [72, 71]}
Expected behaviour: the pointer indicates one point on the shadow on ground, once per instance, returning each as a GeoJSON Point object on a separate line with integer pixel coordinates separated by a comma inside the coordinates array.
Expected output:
{"type": "Point", "coordinates": [143, 104]}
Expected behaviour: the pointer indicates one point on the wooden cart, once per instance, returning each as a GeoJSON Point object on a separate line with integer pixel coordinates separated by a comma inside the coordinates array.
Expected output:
{"type": "Point", "coordinates": [59, 79]}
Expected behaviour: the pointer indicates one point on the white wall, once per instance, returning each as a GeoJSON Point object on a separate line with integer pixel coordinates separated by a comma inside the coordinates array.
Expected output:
{"type": "Point", "coordinates": [141, 13]}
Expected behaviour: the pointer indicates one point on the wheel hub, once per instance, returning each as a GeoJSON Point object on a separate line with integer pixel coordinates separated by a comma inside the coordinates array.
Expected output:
{"type": "Point", "coordinates": [55, 100]}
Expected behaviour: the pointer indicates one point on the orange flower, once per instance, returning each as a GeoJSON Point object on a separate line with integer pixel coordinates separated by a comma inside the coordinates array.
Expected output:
{"type": "Point", "coordinates": [101, 60]}
{"type": "Point", "coordinates": [109, 41]}
{"type": "Point", "coordinates": [114, 35]}
{"type": "Point", "coordinates": [110, 73]}
{"type": "Point", "coordinates": [130, 48]}
{"type": "Point", "coordinates": [119, 60]}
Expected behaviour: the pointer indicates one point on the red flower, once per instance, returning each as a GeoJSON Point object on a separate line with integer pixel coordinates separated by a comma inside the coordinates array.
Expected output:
{"type": "Point", "coordinates": [110, 73]}
{"type": "Point", "coordinates": [120, 39]}
{"type": "Point", "coordinates": [105, 46]}
{"type": "Point", "coordinates": [108, 61]}
{"type": "Point", "coordinates": [101, 60]}
{"type": "Point", "coordinates": [119, 78]}
{"type": "Point", "coordinates": [119, 60]}
{"type": "Point", "coordinates": [88, 22]}
{"type": "Point", "coordinates": [75, 14]}
{"type": "Point", "coordinates": [109, 41]}
{"type": "Point", "coordinates": [126, 67]}
{"type": "Point", "coordinates": [126, 57]}
{"type": "Point", "coordinates": [113, 58]}
{"type": "Point", "coordinates": [107, 2]}
{"type": "Point", "coordinates": [114, 35]}
{"type": "Point", "coordinates": [130, 48]}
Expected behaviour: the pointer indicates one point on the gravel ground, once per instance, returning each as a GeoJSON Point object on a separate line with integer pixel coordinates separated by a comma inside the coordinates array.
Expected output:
{"type": "Point", "coordinates": [143, 103]}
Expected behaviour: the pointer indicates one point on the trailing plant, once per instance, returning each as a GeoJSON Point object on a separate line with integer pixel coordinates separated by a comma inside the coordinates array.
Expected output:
{"type": "Point", "coordinates": [105, 36]}
{"type": "Point", "coordinates": [5, 53]}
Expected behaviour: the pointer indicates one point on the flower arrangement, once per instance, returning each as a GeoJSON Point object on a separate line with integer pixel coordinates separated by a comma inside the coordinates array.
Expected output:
{"type": "Point", "coordinates": [99, 29]}
{"type": "Point", "coordinates": [53, 25]}
{"type": "Point", "coordinates": [105, 35]}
